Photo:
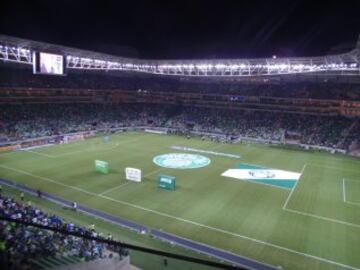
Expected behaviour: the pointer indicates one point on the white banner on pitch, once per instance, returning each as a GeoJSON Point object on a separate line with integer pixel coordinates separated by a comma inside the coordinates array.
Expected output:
{"type": "Point", "coordinates": [133, 174]}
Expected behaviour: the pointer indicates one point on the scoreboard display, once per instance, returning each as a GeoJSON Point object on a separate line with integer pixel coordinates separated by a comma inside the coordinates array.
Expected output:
{"type": "Point", "coordinates": [48, 63]}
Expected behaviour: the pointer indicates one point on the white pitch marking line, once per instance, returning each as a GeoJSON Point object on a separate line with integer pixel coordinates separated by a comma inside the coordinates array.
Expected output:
{"type": "Point", "coordinates": [303, 169]}
{"type": "Point", "coordinates": [323, 218]}
{"type": "Point", "coordinates": [73, 152]}
{"type": "Point", "coordinates": [293, 189]}
{"type": "Point", "coordinates": [353, 203]}
{"type": "Point", "coordinates": [47, 179]}
{"type": "Point", "coordinates": [189, 221]}
{"type": "Point", "coordinates": [313, 215]}
{"type": "Point", "coordinates": [233, 234]}
{"type": "Point", "coordinates": [126, 183]}
{"type": "Point", "coordinates": [100, 150]}
{"type": "Point", "coordinates": [332, 168]}
{"type": "Point", "coordinates": [152, 172]}
{"type": "Point", "coordinates": [81, 151]}
{"type": "Point", "coordinates": [40, 154]}
{"type": "Point", "coordinates": [116, 187]}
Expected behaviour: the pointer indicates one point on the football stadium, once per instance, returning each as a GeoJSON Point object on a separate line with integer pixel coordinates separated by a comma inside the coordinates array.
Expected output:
{"type": "Point", "coordinates": [113, 162]}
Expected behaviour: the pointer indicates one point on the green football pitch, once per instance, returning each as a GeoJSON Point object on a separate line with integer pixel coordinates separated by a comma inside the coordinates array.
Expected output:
{"type": "Point", "coordinates": [314, 225]}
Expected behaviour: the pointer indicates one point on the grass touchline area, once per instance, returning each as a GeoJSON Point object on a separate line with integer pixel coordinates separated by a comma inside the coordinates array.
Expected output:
{"type": "Point", "coordinates": [220, 209]}
{"type": "Point", "coordinates": [241, 236]}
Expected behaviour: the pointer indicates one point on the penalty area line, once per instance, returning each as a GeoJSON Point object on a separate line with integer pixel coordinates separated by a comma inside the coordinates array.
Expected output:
{"type": "Point", "coordinates": [317, 216]}
{"type": "Point", "coordinates": [189, 221]}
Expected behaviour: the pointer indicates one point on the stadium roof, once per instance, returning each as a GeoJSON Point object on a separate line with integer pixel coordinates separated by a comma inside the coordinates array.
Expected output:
{"type": "Point", "coordinates": [47, 47]}
{"type": "Point", "coordinates": [20, 50]}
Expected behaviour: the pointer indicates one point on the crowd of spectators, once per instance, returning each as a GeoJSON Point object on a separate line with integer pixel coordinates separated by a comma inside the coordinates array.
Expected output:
{"type": "Point", "coordinates": [18, 122]}
{"type": "Point", "coordinates": [313, 130]}
{"type": "Point", "coordinates": [352, 140]}
{"type": "Point", "coordinates": [30, 121]}
{"type": "Point", "coordinates": [20, 245]}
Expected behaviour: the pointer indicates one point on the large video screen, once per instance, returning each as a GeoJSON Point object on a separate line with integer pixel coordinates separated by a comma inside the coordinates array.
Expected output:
{"type": "Point", "coordinates": [48, 63]}
{"type": "Point", "coordinates": [51, 63]}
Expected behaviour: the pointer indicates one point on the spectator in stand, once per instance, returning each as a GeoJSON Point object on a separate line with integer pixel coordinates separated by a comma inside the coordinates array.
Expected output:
{"type": "Point", "coordinates": [28, 121]}
{"type": "Point", "coordinates": [20, 244]}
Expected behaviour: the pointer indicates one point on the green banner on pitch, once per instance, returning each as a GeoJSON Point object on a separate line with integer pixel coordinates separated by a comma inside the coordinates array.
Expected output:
{"type": "Point", "coordinates": [101, 166]}
{"type": "Point", "coordinates": [166, 181]}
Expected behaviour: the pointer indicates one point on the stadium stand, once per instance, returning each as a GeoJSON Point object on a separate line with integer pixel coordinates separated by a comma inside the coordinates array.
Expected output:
{"type": "Point", "coordinates": [26, 121]}
{"type": "Point", "coordinates": [25, 247]}
{"type": "Point", "coordinates": [321, 108]}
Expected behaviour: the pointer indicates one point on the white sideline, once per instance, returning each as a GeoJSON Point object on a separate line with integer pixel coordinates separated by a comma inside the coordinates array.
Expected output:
{"type": "Point", "coordinates": [124, 184]}
{"type": "Point", "coordinates": [100, 150]}
{"type": "Point", "coordinates": [114, 188]}
{"type": "Point", "coordinates": [187, 221]}
{"type": "Point", "coordinates": [39, 153]}
{"type": "Point", "coordinates": [82, 151]}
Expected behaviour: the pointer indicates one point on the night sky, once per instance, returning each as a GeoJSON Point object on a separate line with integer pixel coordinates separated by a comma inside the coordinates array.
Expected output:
{"type": "Point", "coordinates": [187, 29]}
